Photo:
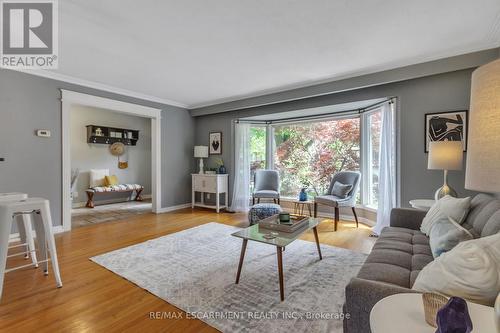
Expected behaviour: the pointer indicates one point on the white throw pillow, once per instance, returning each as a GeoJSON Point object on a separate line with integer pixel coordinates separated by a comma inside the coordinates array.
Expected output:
{"type": "Point", "coordinates": [445, 235]}
{"type": "Point", "coordinates": [444, 208]}
{"type": "Point", "coordinates": [97, 177]}
{"type": "Point", "coordinates": [471, 270]}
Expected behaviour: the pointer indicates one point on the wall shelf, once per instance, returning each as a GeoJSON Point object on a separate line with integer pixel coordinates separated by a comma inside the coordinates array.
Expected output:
{"type": "Point", "coordinates": [109, 135]}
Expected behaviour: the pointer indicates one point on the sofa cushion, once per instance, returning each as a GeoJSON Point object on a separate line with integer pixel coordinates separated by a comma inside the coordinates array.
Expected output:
{"type": "Point", "coordinates": [397, 257]}
{"type": "Point", "coordinates": [483, 214]}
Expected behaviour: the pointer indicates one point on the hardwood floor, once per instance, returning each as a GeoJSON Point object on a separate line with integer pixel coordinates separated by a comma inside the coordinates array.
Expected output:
{"type": "Point", "coordinates": [93, 299]}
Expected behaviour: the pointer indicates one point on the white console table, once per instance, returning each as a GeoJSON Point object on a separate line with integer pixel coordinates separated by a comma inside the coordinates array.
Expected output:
{"type": "Point", "coordinates": [209, 183]}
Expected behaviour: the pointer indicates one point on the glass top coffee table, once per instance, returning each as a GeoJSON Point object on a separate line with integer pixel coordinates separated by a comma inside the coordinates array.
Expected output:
{"type": "Point", "coordinates": [256, 233]}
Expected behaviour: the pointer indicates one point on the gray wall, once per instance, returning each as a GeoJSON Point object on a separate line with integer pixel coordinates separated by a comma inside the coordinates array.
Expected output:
{"type": "Point", "coordinates": [416, 97]}
{"type": "Point", "coordinates": [33, 165]}
{"type": "Point", "coordinates": [86, 156]}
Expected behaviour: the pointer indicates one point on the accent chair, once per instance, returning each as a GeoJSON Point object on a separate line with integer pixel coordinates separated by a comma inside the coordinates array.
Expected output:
{"type": "Point", "coordinates": [267, 185]}
{"type": "Point", "coordinates": [349, 178]}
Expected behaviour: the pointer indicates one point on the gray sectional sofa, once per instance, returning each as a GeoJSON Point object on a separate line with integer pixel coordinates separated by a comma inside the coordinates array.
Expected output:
{"type": "Point", "coordinates": [400, 253]}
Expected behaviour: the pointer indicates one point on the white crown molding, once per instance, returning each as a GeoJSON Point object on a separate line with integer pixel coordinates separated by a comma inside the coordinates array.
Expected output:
{"type": "Point", "coordinates": [98, 86]}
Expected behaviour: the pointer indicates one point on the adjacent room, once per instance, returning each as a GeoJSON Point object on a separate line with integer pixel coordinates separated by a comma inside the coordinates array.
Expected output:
{"type": "Point", "coordinates": [250, 166]}
{"type": "Point", "coordinates": [110, 164]}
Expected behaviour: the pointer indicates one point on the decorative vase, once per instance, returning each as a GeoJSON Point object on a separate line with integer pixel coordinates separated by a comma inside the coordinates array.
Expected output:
{"type": "Point", "coordinates": [454, 317]}
{"type": "Point", "coordinates": [222, 170]}
{"type": "Point", "coordinates": [303, 195]}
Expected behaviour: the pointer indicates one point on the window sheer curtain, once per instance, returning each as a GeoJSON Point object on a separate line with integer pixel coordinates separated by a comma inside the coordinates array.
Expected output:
{"type": "Point", "coordinates": [387, 168]}
{"type": "Point", "coordinates": [241, 187]}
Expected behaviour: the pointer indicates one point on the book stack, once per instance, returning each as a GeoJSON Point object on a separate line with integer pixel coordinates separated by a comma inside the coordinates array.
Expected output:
{"type": "Point", "coordinates": [273, 223]}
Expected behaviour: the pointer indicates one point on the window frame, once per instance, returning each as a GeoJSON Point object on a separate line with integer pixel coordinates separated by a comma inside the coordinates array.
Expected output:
{"type": "Point", "coordinates": [365, 151]}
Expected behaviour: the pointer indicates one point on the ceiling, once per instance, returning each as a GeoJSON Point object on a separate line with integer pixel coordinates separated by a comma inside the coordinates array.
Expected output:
{"type": "Point", "coordinates": [194, 53]}
{"type": "Point", "coordinates": [318, 111]}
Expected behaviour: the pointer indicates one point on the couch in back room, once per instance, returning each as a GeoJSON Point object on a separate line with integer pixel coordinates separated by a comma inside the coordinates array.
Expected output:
{"type": "Point", "coordinates": [399, 255]}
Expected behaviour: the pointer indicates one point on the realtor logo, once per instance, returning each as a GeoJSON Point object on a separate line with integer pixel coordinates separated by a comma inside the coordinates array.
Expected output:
{"type": "Point", "coordinates": [29, 34]}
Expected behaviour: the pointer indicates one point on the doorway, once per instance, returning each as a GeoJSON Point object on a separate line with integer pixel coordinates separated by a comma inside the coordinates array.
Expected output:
{"type": "Point", "coordinates": [72, 100]}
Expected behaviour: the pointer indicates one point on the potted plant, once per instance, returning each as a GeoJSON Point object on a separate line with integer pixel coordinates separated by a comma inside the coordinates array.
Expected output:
{"type": "Point", "coordinates": [221, 169]}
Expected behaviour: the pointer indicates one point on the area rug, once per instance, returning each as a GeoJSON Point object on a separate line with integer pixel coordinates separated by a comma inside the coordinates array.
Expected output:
{"type": "Point", "coordinates": [195, 271]}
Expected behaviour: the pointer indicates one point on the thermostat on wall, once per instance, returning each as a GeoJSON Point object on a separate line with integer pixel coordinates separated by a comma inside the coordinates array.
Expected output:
{"type": "Point", "coordinates": [43, 133]}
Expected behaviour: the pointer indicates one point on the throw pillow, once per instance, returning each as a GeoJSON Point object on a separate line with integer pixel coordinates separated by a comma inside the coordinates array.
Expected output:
{"type": "Point", "coordinates": [341, 190]}
{"type": "Point", "coordinates": [97, 177]}
{"type": "Point", "coordinates": [471, 270]}
{"type": "Point", "coordinates": [445, 235]}
{"type": "Point", "coordinates": [448, 206]}
{"type": "Point", "coordinates": [111, 180]}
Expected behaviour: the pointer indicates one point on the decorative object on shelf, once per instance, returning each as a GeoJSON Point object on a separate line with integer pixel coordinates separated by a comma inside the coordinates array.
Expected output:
{"type": "Point", "coordinates": [110, 135]}
{"type": "Point", "coordinates": [201, 152]}
{"type": "Point", "coordinates": [445, 155]}
{"type": "Point", "coordinates": [118, 149]}
{"type": "Point", "coordinates": [303, 194]}
{"type": "Point", "coordinates": [284, 217]}
{"type": "Point", "coordinates": [454, 317]}
{"type": "Point", "coordinates": [446, 126]}
{"type": "Point", "coordinates": [215, 143]}
{"type": "Point", "coordinates": [221, 169]}
{"type": "Point", "coordinates": [432, 304]}
{"type": "Point", "coordinates": [483, 158]}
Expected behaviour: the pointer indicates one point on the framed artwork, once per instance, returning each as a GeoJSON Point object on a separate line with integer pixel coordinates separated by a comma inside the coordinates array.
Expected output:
{"type": "Point", "coordinates": [446, 126]}
{"type": "Point", "coordinates": [215, 143]}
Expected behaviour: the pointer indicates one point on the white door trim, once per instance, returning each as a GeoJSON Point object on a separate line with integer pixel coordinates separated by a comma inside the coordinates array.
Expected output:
{"type": "Point", "coordinates": [71, 98]}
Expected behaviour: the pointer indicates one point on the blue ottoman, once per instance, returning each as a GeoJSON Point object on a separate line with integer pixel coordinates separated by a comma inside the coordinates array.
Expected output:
{"type": "Point", "coordinates": [261, 211]}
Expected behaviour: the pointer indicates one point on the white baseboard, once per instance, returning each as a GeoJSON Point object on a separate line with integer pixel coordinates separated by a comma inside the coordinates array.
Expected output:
{"type": "Point", "coordinates": [15, 237]}
{"type": "Point", "coordinates": [172, 208]}
{"type": "Point", "coordinates": [106, 202]}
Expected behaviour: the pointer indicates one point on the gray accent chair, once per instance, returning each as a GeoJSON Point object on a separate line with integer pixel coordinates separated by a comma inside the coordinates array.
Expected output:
{"type": "Point", "coordinates": [347, 178]}
{"type": "Point", "coordinates": [267, 186]}
{"type": "Point", "coordinates": [400, 253]}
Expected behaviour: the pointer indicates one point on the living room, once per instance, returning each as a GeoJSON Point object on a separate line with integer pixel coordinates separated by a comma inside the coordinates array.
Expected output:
{"type": "Point", "coordinates": [312, 167]}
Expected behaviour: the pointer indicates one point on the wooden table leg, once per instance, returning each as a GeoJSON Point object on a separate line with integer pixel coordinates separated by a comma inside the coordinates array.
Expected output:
{"type": "Point", "coordinates": [309, 209]}
{"type": "Point", "coordinates": [138, 196]}
{"type": "Point", "coordinates": [279, 251]}
{"type": "Point", "coordinates": [315, 230]}
{"type": "Point", "coordinates": [90, 199]}
{"type": "Point", "coordinates": [242, 256]}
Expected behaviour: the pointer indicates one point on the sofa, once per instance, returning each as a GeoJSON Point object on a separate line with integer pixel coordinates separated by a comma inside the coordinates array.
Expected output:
{"type": "Point", "coordinates": [400, 253]}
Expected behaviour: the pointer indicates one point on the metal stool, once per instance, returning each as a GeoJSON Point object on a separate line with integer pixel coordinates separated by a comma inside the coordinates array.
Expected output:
{"type": "Point", "coordinates": [25, 228]}
{"type": "Point", "coordinates": [40, 210]}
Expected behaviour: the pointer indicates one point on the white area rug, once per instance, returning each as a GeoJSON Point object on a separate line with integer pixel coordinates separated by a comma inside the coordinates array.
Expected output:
{"type": "Point", "coordinates": [195, 270]}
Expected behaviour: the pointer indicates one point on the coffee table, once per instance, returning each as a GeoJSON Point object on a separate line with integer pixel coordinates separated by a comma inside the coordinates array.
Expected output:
{"type": "Point", "coordinates": [256, 233]}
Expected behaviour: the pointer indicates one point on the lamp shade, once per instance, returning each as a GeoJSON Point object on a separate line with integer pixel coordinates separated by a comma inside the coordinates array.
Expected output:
{"type": "Point", "coordinates": [201, 151]}
{"type": "Point", "coordinates": [483, 153]}
{"type": "Point", "coordinates": [445, 155]}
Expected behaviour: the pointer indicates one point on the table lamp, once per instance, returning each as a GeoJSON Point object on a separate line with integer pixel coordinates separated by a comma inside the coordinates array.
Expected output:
{"type": "Point", "coordinates": [483, 149]}
{"type": "Point", "coordinates": [445, 155]}
{"type": "Point", "coordinates": [201, 152]}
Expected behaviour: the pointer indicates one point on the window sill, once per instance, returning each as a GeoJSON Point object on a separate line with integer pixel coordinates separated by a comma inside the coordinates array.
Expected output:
{"type": "Point", "coordinates": [372, 209]}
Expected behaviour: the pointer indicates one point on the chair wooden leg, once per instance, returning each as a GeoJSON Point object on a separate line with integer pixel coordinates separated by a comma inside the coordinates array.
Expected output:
{"type": "Point", "coordinates": [315, 209]}
{"type": "Point", "coordinates": [337, 217]}
{"type": "Point", "coordinates": [279, 201]}
{"type": "Point", "coordinates": [258, 200]}
{"type": "Point", "coordinates": [355, 217]}
{"type": "Point", "coordinates": [274, 200]}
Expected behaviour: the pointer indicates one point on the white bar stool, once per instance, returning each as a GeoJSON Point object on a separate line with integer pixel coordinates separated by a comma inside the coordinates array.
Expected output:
{"type": "Point", "coordinates": [24, 226]}
{"type": "Point", "coordinates": [43, 225]}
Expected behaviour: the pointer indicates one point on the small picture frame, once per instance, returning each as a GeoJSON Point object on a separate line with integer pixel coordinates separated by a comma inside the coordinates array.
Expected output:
{"type": "Point", "coordinates": [215, 143]}
{"type": "Point", "coordinates": [446, 126]}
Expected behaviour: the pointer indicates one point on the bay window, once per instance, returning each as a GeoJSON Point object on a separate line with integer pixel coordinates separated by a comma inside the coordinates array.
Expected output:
{"type": "Point", "coordinates": [307, 153]}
